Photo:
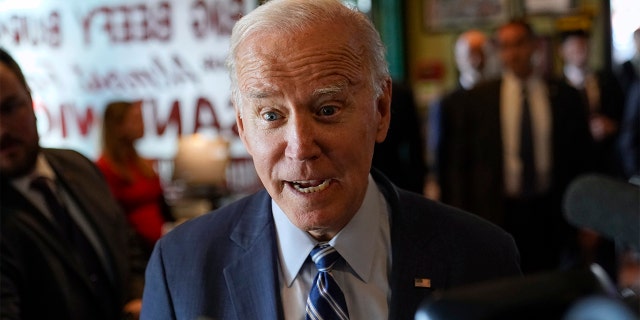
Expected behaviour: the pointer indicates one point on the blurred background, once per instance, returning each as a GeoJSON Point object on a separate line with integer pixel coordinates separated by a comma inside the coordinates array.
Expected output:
{"type": "Point", "coordinates": [169, 55]}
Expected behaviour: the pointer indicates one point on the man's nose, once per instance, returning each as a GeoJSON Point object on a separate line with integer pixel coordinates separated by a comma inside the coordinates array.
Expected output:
{"type": "Point", "coordinates": [301, 138]}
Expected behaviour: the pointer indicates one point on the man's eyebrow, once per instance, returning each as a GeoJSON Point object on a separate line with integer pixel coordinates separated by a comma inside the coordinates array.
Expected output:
{"type": "Point", "coordinates": [259, 93]}
{"type": "Point", "coordinates": [330, 90]}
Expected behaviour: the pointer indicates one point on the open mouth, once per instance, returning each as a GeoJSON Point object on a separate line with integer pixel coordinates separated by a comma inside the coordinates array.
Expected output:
{"type": "Point", "coordinates": [310, 186]}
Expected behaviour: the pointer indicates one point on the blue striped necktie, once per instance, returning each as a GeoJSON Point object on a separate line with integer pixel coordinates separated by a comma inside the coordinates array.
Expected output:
{"type": "Point", "coordinates": [326, 300]}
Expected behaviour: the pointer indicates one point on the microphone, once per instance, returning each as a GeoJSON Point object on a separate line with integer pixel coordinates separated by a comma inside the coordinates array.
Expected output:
{"type": "Point", "coordinates": [608, 206]}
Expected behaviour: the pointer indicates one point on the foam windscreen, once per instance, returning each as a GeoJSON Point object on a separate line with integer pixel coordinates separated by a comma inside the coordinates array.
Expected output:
{"type": "Point", "coordinates": [608, 206]}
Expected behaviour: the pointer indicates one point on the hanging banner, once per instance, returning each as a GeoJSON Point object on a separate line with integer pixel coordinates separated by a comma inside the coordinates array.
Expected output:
{"type": "Point", "coordinates": [79, 55]}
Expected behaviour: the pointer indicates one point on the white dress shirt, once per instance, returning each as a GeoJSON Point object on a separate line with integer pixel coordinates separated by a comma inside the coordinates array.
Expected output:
{"type": "Point", "coordinates": [510, 115]}
{"type": "Point", "coordinates": [365, 245]}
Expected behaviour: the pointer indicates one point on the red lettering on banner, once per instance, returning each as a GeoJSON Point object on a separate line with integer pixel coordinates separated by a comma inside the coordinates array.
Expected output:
{"type": "Point", "coordinates": [63, 121]}
{"type": "Point", "coordinates": [85, 121]}
{"type": "Point", "coordinates": [132, 23]}
{"type": "Point", "coordinates": [174, 118]}
{"type": "Point", "coordinates": [69, 120]}
{"type": "Point", "coordinates": [67, 115]}
{"type": "Point", "coordinates": [41, 110]}
{"type": "Point", "coordinates": [205, 115]}
{"type": "Point", "coordinates": [217, 17]}
{"type": "Point", "coordinates": [33, 30]}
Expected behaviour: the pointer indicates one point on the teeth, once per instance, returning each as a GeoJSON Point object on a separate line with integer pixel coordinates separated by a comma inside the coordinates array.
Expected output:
{"type": "Point", "coordinates": [298, 186]}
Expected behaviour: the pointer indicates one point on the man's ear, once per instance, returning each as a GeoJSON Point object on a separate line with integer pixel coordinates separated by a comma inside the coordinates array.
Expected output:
{"type": "Point", "coordinates": [240, 126]}
{"type": "Point", "coordinates": [383, 109]}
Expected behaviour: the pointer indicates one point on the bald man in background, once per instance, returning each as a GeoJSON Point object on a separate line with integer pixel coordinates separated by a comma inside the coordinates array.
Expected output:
{"type": "Point", "coordinates": [472, 52]}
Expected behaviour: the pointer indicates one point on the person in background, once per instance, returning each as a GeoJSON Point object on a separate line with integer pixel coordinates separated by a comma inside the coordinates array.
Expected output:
{"type": "Point", "coordinates": [602, 98]}
{"type": "Point", "coordinates": [66, 250]}
{"type": "Point", "coordinates": [131, 178]}
{"type": "Point", "coordinates": [471, 53]}
{"type": "Point", "coordinates": [312, 94]}
{"type": "Point", "coordinates": [401, 156]}
{"type": "Point", "coordinates": [629, 138]}
{"type": "Point", "coordinates": [603, 101]}
{"type": "Point", "coordinates": [492, 166]}
{"type": "Point", "coordinates": [629, 71]}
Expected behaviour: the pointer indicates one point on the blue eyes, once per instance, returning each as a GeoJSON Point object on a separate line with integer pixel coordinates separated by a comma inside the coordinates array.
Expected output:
{"type": "Point", "coordinates": [323, 112]}
{"type": "Point", "coordinates": [270, 116]}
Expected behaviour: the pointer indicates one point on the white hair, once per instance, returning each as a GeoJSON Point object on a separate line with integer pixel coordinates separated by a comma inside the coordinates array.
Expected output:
{"type": "Point", "coordinates": [291, 16]}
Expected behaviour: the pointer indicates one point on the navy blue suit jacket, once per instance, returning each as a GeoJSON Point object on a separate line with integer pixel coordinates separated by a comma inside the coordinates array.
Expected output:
{"type": "Point", "coordinates": [224, 265]}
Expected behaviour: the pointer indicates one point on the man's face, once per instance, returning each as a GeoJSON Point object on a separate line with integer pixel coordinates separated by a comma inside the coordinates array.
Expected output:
{"type": "Point", "coordinates": [18, 132]}
{"type": "Point", "coordinates": [470, 54]}
{"type": "Point", "coordinates": [309, 118]}
{"type": "Point", "coordinates": [516, 50]}
{"type": "Point", "coordinates": [575, 51]}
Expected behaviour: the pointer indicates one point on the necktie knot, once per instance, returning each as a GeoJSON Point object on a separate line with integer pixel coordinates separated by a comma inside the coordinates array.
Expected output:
{"type": "Point", "coordinates": [41, 184]}
{"type": "Point", "coordinates": [325, 257]}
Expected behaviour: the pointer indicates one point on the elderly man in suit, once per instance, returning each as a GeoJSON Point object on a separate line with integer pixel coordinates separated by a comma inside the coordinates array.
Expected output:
{"type": "Point", "coordinates": [472, 52]}
{"type": "Point", "coordinates": [518, 141]}
{"type": "Point", "coordinates": [312, 95]}
{"type": "Point", "coordinates": [65, 249]}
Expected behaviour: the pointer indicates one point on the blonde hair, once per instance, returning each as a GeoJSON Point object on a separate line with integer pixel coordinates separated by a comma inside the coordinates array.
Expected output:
{"type": "Point", "coordinates": [121, 153]}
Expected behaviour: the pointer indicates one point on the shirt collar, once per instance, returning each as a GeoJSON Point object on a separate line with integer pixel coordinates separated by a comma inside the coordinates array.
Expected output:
{"type": "Point", "coordinates": [532, 81]}
{"type": "Point", "coordinates": [352, 242]}
{"type": "Point", "coordinates": [42, 169]}
{"type": "Point", "coordinates": [575, 75]}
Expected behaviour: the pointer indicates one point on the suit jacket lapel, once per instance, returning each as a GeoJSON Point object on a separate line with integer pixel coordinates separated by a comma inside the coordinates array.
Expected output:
{"type": "Point", "coordinates": [412, 245]}
{"type": "Point", "coordinates": [28, 216]}
{"type": "Point", "coordinates": [253, 279]}
{"type": "Point", "coordinates": [88, 204]}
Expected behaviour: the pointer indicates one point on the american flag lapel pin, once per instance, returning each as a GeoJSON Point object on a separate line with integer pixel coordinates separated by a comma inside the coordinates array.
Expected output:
{"type": "Point", "coordinates": [422, 283]}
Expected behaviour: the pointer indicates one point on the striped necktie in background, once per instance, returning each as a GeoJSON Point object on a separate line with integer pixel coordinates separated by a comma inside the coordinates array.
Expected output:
{"type": "Point", "coordinates": [326, 300]}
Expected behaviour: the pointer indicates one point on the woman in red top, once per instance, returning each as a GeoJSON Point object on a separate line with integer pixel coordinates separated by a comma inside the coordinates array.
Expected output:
{"type": "Point", "coordinates": [131, 178]}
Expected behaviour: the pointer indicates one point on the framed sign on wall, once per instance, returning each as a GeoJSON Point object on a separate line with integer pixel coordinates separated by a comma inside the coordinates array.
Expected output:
{"type": "Point", "coordinates": [458, 15]}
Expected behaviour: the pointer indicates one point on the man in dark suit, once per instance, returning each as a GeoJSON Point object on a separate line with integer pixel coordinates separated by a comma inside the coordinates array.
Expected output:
{"type": "Point", "coordinates": [491, 167]}
{"type": "Point", "coordinates": [602, 97]}
{"type": "Point", "coordinates": [312, 94]}
{"type": "Point", "coordinates": [472, 56]}
{"type": "Point", "coordinates": [401, 156]}
{"type": "Point", "coordinates": [629, 140]}
{"type": "Point", "coordinates": [70, 260]}
{"type": "Point", "coordinates": [629, 71]}
{"type": "Point", "coordinates": [603, 101]}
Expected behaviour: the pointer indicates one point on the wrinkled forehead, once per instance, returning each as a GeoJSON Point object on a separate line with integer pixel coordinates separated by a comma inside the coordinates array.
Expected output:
{"type": "Point", "coordinates": [311, 54]}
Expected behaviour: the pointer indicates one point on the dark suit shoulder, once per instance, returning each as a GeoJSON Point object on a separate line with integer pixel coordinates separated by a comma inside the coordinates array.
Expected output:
{"type": "Point", "coordinates": [252, 212]}
{"type": "Point", "coordinates": [65, 155]}
{"type": "Point", "coordinates": [450, 222]}
{"type": "Point", "coordinates": [450, 246]}
{"type": "Point", "coordinates": [66, 159]}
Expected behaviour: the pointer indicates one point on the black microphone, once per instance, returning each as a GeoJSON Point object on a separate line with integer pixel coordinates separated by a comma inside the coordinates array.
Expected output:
{"type": "Point", "coordinates": [608, 206]}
